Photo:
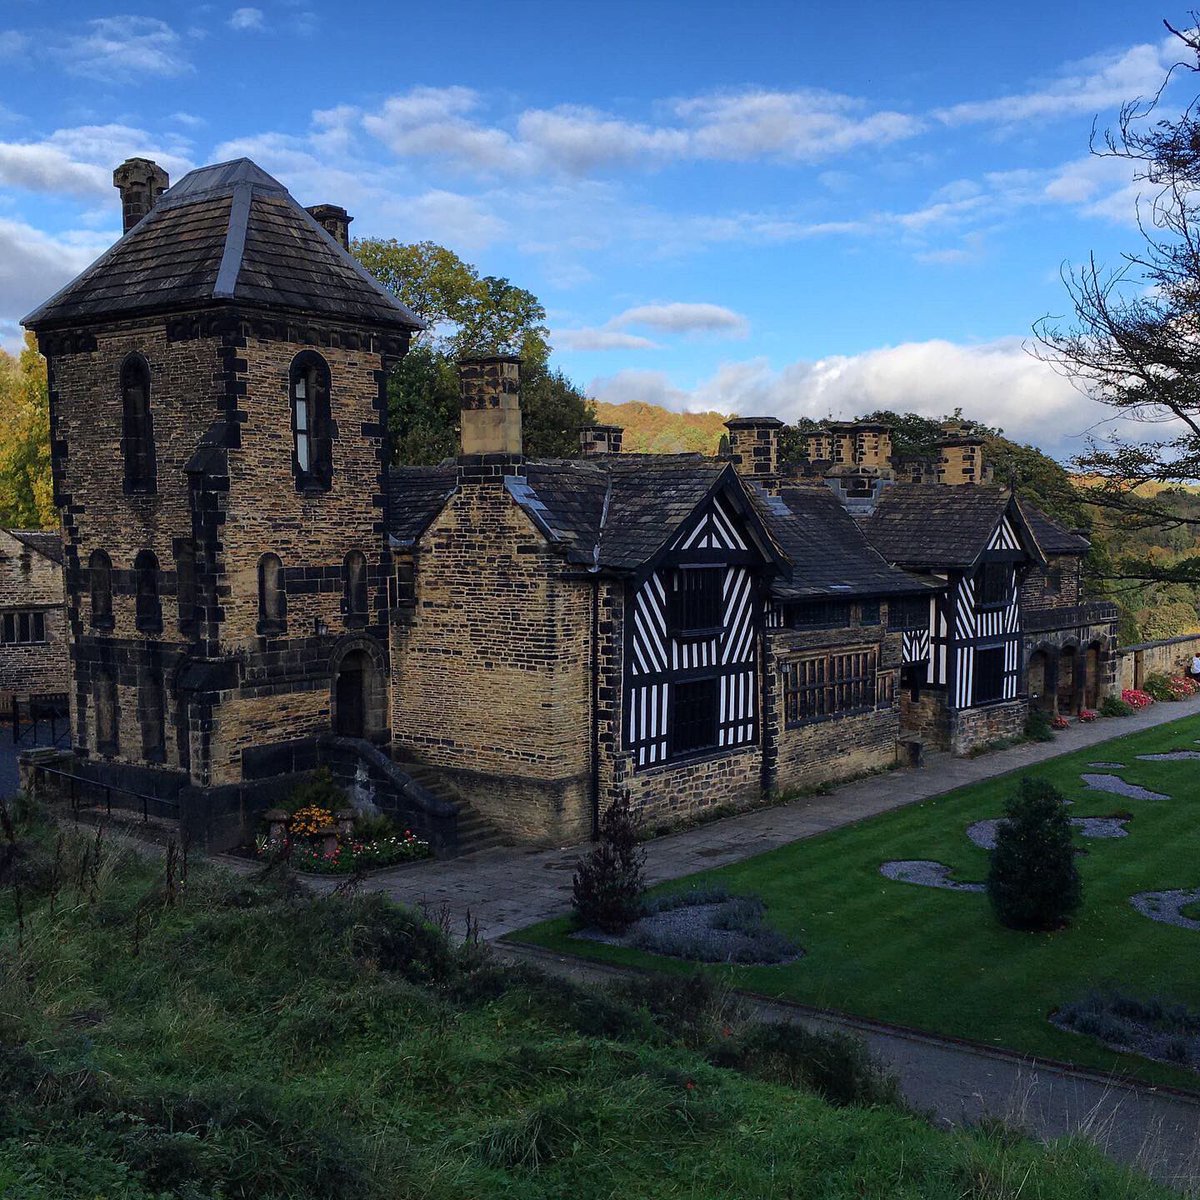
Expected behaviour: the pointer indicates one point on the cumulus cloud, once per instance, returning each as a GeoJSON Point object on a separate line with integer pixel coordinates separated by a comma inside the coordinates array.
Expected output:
{"type": "Point", "coordinates": [247, 19]}
{"type": "Point", "coordinates": [684, 318]}
{"type": "Point", "coordinates": [997, 382]}
{"type": "Point", "coordinates": [13, 43]}
{"type": "Point", "coordinates": [33, 265]}
{"type": "Point", "coordinates": [125, 49]}
{"type": "Point", "coordinates": [1103, 81]}
{"type": "Point", "coordinates": [599, 339]}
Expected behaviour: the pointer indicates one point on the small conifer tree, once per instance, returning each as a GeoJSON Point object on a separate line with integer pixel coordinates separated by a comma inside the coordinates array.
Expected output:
{"type": "Point", "coordinates": [1033, 882]}
{"type": "Point", "coordinates": [608, 882]}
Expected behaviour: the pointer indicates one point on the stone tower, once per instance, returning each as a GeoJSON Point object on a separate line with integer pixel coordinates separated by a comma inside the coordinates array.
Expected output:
{"type": "Point", "coordinates": [218, 432]}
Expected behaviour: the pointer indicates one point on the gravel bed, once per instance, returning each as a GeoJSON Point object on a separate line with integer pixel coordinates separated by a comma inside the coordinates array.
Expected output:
{"type": "Point", "coordinates": [1165, 906]}
{"type": "Point", "coordinates": [1172, 756]}
{"type": "Point", "coordinates": [688, 932]}
{"type": "Point", "coordinates": [1136, 1037]}
{"type": "Point", "coordinates": [926, 873]}
{"type": "Point", "coordinates": [983, 833]}
{"type": "Point", "coordinates": [1109, 765]}
{"type": "Point", "coordinates": [1118, 787]}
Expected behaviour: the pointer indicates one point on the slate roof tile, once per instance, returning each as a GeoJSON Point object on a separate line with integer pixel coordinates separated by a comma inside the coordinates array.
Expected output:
{"type": "Point", "coordinates": [41, 541]}
{"type": "Point", "coordinates": [1051, 536]}
{"type": "Point", "coordinates": [415, 496]}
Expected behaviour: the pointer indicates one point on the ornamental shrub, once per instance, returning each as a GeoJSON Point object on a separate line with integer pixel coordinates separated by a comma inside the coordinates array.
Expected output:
{"type": "Point", "coordinates": [1033, 882]}
{"type": "Point", "coordinates": [1137, 698]}
{"type": "Point", "coordinates": [319, 790]}
{"type": "Point", "coordinates": [608, 883]}
{"type": "Point", "coordinates": [1037, 726]}
{"type": "Point", "coordinates": [1159, 687]}
{"type": "Point", "coordinates": [1114, 706]}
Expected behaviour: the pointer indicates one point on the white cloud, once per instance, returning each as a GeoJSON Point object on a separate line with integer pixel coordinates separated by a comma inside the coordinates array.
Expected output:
{"type": "Point", "coordinates": [33, 265]}
{"type": "Point", "coordinates": [125, 49]}
{"type": "Point", "coordinates": [1103, 81]}
{"type": "Point", "coordinates": [451, 219]}
{"type": "Point", "coordinates": [13, 43]}
{"type": "Point", "coordinates": [246, 19]}
{"type": "Point", "coordinates": [684, 318]}
{"type": "Point", "coordinates": [599, 339]}
{"type": "Point", "coordinates": [998, 383]}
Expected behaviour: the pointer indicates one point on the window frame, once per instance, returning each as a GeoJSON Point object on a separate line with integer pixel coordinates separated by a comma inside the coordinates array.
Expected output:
{"type": "Point", "coordinates": [812, 689]}
{"type": "Point", "coordinates": [309, 381]}
{"type": "Point", "coordinates": [137, 427]}
{"type": "Point", "coordinates": [147, 593]}
{"type": "Point", "coordinates": [356, 597]}
{"type": "Point", "coordinates": [23, 627]}
{"type": "Point", "coordinates": [978, 701]}
{"type": "Point", "coordinates": [685, 695]}
{"type": "Point", "coordinates": [406, 580]}
{"type": "Point", "coordinates": [102, 618]}
{"type": "Point", "coordinates": [985, 597]}
{"type": "Point", "coordinates": [828, 613]}
{"type": "Point", "coordinates": [695, 611]}
{"type": "Point", "coordinates": [908, 613]}
{"type": "Point", "coordinates": [272, 616]}
{"type": "Point", "coordinates": [104, 688]}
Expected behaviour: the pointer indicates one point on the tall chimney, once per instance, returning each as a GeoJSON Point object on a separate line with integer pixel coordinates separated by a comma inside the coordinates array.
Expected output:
{"type": "Point", "coordinates": [960, 456]}
{"type": "Point", "coordinates": [490, 419]}
{"type": "Point", "coordinates": [595, 441]}
{"type": "Point", "coordinates": [754, 448]}
{"type": "Point", "coordinates": [140, 182]}
{"type": "Point", "coordinates": [334, 220]}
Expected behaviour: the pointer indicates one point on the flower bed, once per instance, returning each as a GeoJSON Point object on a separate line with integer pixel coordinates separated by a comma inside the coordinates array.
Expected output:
{"type": "Point", "coordinates": [1136, 698]}
{"type": "Point", "coordinates": [1060, 722]}
{"type": "Point", "coordinates": [345, 857]}
{"type": "Point", "coordinates": [1088, 715]}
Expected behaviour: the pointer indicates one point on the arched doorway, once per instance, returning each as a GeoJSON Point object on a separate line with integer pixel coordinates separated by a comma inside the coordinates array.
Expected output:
{"type": "Point", "coordinates": [1040, 680]}
{"type": "Point", "coordinates": [1091, 686]}
{"type": "Point", "coordinates": [1068, 680]}
{"type": "Point", "coordinates": [358, 696]}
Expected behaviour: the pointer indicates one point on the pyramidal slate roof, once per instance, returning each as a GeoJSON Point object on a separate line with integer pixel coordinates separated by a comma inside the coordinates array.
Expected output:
{"type": "Point", "coordinates": [225, 234]}
{"type": "Point", "coordinates": [934, 525]}
{"type": "Point", "coordinates": [1051, 536]}
{"type": "Point", "coordinates": [829, 554]}
{"type": "Point", "coordinates": [41, 541]}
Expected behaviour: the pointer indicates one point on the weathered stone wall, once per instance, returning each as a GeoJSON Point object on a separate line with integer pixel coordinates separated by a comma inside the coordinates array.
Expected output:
{"type": "Point", "coordinates": [971, 728]}
{"type": "Point", "coordinates": [667, 794]}
{"type": "Point", "coordinates": [491, 667]}
{"type": "Point", "coordinates": [1170, 656]}
{"type": "Point", "coordinates": [31, 582]}
{"type": "Point", "coordinates": [836, 747]}
{"type": "Point", "coordinates": [1057, 586]}
{"type": "Point", "coordinates": [926, 719]}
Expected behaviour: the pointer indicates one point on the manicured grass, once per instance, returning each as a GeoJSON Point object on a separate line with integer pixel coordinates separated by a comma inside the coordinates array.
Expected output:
{"type": "Point", "coordinates": [213, 1039]}
{"type": "Point", "coordinates": [938, 960]}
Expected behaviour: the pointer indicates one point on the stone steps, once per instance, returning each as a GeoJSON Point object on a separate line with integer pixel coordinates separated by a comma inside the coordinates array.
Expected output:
{"type": "Point", "coordinates": [475, 832]}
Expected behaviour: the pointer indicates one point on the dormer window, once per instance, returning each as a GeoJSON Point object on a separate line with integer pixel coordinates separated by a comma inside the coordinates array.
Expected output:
{"type": "Point", "coordinates": [137, 440]}
{"type": "Point", "coordinates": [694, 601]}
{"type": "Point", "coordinates": [312, 428]}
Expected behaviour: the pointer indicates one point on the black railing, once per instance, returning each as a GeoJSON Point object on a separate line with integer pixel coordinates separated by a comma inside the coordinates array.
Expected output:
{"type": "Point", "coordinates": [79, 787]}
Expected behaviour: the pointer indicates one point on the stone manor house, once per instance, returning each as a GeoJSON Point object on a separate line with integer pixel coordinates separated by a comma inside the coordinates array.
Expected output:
{"type": "Point", "coordinates": [498, 643]}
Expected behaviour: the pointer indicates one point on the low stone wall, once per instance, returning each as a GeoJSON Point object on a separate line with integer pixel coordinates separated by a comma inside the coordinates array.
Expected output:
{"type": "Point", "coordinates": [1170, 656]}
{"type": "Point", "coordinates": [825, 751]}
{"type": "Point", "coordinates": [926, 719]}
{"type": "Point", "coordinates": [971, 728]}
{"type": "Point", "coordinates": [666, 794]}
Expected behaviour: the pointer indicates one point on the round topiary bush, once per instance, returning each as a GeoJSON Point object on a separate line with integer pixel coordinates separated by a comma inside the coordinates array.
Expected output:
{"type": "Point", "coordinates": [1033, 882]}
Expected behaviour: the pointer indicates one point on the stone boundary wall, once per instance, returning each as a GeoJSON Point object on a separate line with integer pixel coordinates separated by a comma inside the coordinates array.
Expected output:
{"type": "Point", "coordinates": [1169, 656]}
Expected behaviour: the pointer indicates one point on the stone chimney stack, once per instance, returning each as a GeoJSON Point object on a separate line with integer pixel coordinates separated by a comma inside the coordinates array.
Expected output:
{"type": "Point", "coordinates": [334, 220]}
{"type": "Point", "coordinates": [872, 444]}
{"type": "Point", "coordinates": [140, 183]}
{"type": "Point", "coordinates": [820, 446]}
{"type": "Point", "coordinates": [596, 441]}
{"type": "Point", "coordinates": [754, 448]}
{"type": "Point", "coordinates": [490, 419]}
{"type": "Point", "coordinates": [960, 456]}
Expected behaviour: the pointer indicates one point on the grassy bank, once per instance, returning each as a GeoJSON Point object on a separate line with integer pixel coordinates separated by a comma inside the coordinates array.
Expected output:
{"type": "Point", "coordinates": [183, 1033]}
{"type": "Point", "coordinates": [938, 960]}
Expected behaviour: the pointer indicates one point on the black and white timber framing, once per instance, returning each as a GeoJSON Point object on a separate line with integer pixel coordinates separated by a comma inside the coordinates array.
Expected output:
{"type": "Point", "coordinates": [658, 658]}
{"type": "Point", "coordinates": [964, 627]}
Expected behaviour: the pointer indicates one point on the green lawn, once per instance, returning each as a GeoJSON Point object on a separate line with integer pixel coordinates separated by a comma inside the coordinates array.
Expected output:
{"type": "Point", "coordinates": [938, 960]}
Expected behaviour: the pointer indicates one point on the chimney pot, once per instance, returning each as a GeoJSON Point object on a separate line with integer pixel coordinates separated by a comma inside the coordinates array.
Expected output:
{"type": "Point", "coordinates": [140, 182]}
{"type": "Point", "coordinates": [334, 220]}
{"type": "Point", "coordinates": [754, 448]}
{"type": "Point", "coordinates": [490, 416]}
{"type": "Point", "coordinates": [595, 441]}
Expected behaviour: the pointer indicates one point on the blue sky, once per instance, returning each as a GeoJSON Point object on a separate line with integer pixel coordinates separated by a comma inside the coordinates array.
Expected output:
{"type": "Point", "coordinates": [792, 208]}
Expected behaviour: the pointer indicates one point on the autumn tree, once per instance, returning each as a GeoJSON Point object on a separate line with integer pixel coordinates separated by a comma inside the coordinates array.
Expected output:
{"type": "Point", "coordinates": [26, 491]}
{"type": "Point", "coordinates": [467, 313]}
{"type": "Point", "coordinates": [1133, 341]}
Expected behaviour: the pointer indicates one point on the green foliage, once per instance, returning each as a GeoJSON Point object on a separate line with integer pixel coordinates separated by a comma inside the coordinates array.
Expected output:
{"type": "Point", "coordinates": [1033, 882]}
{"type": "Point", "coordinates": [608, 884]}
{"type": "Point", "coordinates": [1159, 686]}
{"type": "Point", "coordinates": [26, 488]}
{"type": "Point", "coordinates": [319, 790]}
{"type": "Point", "coordinates": [1114, 706]}
{"type": "Point", "coordinates": [1037, 726]}
{"type": "Point", "coordinates": [369, 827]}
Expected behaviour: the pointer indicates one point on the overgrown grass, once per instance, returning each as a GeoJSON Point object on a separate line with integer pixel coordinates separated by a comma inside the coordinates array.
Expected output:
{"type": "Point", "coordinates": [939, 960]}
{"type": "Point", "coordinates": [188, 1034]}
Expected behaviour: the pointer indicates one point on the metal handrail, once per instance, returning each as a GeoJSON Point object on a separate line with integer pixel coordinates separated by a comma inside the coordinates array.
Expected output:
{"type": "Point", "coordinates": [108, 789]}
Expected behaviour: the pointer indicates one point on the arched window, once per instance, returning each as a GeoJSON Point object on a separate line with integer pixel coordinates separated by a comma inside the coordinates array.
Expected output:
{"type": "Point", "coordinates": [137, 440]}
{"type": "Point", "coordinates": [312, 426]}
{"type": "Point", "coordinates": [149, 608]}
{"type": "Point", "coordinates": [354, 581]}
{"type": "Point", "coordinates": [272, 599]}
{"type": "Point", "coordinates": [185, 583]}
{"type": "Point", "coordinates": [151, 716]}
{"type": "Point", "coordinates": [100, 585]}
{"type": "Point", "coordinates": [105, 699]}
